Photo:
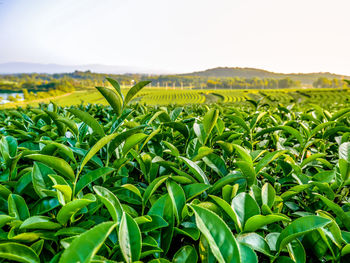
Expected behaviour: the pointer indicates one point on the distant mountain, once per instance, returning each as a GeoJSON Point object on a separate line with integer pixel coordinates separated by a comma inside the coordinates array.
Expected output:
{"type": "Point", "coordinates": [220, 72]}
{"type": "Point", "coordinates": [226, 72]}
{"type": "Point", "coordinates": [23, 67]}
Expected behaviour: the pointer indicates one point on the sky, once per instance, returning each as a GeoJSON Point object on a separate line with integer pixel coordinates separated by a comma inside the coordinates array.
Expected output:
{"type": "Point", "coordinates": [180, 35]}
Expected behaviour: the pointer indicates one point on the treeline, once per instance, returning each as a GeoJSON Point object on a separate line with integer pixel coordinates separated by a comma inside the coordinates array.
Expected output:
{"type": "Point", "coordinates": [36, 87]}
{"type": "Point", "coordinates": [329, 83]}
{"type": "Point", "coordinates": [66, 82]}
{"type": "Point", "coordinates": [78, 80]}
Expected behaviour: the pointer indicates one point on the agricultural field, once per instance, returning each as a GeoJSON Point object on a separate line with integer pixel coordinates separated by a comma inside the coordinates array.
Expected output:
{"type": "Point", "coordinates": [163, 96]}
{"type": "Point", "coordinates": [126, 178]}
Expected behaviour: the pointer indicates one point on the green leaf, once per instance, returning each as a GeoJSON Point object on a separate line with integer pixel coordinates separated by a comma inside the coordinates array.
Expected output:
{"type": "Point", "coordinates": [320, 127]}
{"type": "Point", "coordinates": [216, 163]}
{"type": "Point", "coordinates": [255, 222]}
{"type": "Point", "coordinates": [153, 187]}
{"type": "Point", "coordinates": [209, 121]}
{"type": "Point", "coordinates": [193, 233]}
{"type": "Point", "coordinates": [91, 177]}
{"type": "Point", "coordinates": [311, 158]}
{"type": "Point", "coordinates": [186, 254]}
{"type": "Point", "coordinates": [55, 163]}
{"type": "Point", "coordinates": [287, 129]}
{"type": "Point", "coordinates": [116, 86]}
{"type": "Point", "coordinates": [4, 219]}
{"type": "Point", "coordinates": [122, 137]}
{"type": "Point", "coordinates": [297, 251]}
{"type": "Point", "coordinates": [178, 198]}
{"type": "Point", "coordinates": [129, 238]}
{"type": "Point", "coordinates": [248, 171]}
{"type": "Point", "coordinates": [340, 113]}
{"type": "Point", "coordinates": [245, 207]}
{"type": "Point", "coordinates": [67, 211]}
{"type": "Point", "coordinates": [205, 253]}
{"type": "Point", "coordinates": [70, 124]}
{"type": "Point", "coordinates": [63, 148]}
{"type": "Point", "coordinates": [178, 126]}
{"type": "Point", "coordinates": [38, 246]}
{"type": "Point", "coordinates": [110, 201]}
{"type": "Point", "coordinates": [256, 242]}
{"type": "Point", "coordinates": [192, 190]}
{"type": "Point", "coordinates": [134, 90]}
{"type": "Point", "coordinates": [196, 170]}
{"type": "Point", "coordinates": [240, 122]}
{"type": "Point", "coordinates": [66, 193]}
{"type": "Point", "coordinates": [294, 191]}
{"type": "Point", "coordinates": [40, 177]}
{"type": "Point", "coordinates": [39, 222]}
{"type": "Point", "coordinates": [98, 145]}
{"type": "Point", "coordinates": [345, 250]}
{"type": "Point", "coordinates": [228, 179]}
{"type": "Point", "coordinates": [268, 195]}
{"type": "Point", "coordinates": [243, 153]}
{"type": "Point", "coordinates": [344, 168]}
{"type": "Point", "coordinates": [220, 238]}
{"type": "Point", "coordinates": [332, 230]}
{"type": "Point", "coordinates": [228, 210]}
{"type": "Point", "coordinates": [267, 159]}
{"type": "Point", "coordinates": [89, 120]}
{"type": "Point", "coordinates": [17, 207]}
{"type": "Point", "coordinates": [300, 227]}
{"type": "Point", "coordinates": [156, 223]}
{"type": "Point", "coordinates": [202, 152]}
{"type": "Point", "coordinates": [113, 99]}
{"type": "Point", "coordinates": [247, 254]}
{"type": "Point", "coordinates": [132, 141]}
{"type": "Point", "coordinates": [18, 252]}
{"type": "Point", "coordinates": [344, 151]}
{"type": "Point", "coordinates": [85, 246]}
{"type": "Point", "coordinates": [344, 217]}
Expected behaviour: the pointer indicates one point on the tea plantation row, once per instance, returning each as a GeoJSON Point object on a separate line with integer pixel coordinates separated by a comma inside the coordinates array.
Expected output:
{"type": "Point", "coordinates": [216, 183]}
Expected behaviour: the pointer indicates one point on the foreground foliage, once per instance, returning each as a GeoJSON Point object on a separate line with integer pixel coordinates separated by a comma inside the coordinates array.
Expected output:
{"type": "Point", "coordinates": [183, 184]}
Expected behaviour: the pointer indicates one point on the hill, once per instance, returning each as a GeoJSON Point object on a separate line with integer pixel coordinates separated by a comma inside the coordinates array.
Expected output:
{"type": "Point", "coordinates": [227, 72]}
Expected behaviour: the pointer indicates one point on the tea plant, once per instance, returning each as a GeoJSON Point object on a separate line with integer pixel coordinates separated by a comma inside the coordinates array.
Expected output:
{"type": "Point", "coordinates": [259, 183]}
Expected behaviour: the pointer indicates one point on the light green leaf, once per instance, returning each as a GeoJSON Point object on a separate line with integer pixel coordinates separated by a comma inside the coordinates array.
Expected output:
{"type": "Point", "coordinates": [89, 120]}
{"type": "Point", "coordinates": [255, 222]}
{"type": "Point", "coordinates": [98, 145]}
{"type": "Point", "coordinates": [220, 238]}
{"type": "Point", "coordinates": [67, 211]}
{"type": "Point", "coordinates": [134, 90]}
{"type": "Point", "coordinates": [55, 163]}
{"type": "Point", "coordinates": [196, 170]}
{"type": "Point", "coordinates": [110, 201]}
{"type": "Point", "coordinates": [91, 177]}
{"type": "Point", "coordinates": [129, 238]}
{"type": "Point", "coordinates": [18, 252]}
{"type": "Point", "coordinates": [85, 246]}
{"type": "Point", "coordinates": [300, 227]}
{"type": "Point", "coordinates": [186, 254]}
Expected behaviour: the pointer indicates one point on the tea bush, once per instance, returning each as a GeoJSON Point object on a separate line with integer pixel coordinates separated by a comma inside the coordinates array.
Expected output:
{"type": "Point", "coordinates": [217, 183]}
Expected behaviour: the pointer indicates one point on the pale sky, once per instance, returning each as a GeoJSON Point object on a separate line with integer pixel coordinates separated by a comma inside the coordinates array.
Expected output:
{"type": "Point", "coordinates": [179, 35]}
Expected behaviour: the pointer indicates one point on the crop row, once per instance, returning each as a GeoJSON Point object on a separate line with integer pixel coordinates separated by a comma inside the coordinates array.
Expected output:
{"type": "Point", "coordinates": [135, 183]}
{"type": "Point", "coordinates": [285, 97]}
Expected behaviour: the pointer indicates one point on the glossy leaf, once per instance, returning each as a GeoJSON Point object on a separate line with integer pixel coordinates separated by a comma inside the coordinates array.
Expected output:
{"type": "Point", "coordinates": [220, 238]}
{"type": "Point", "coordinates": [129, 238]}
{"type": "Point", "coordinates": [85, 246]}
{"type": "Point", "coordinates": [300, 227]}
{"type": "Point", "coordinates": [55, 163]}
